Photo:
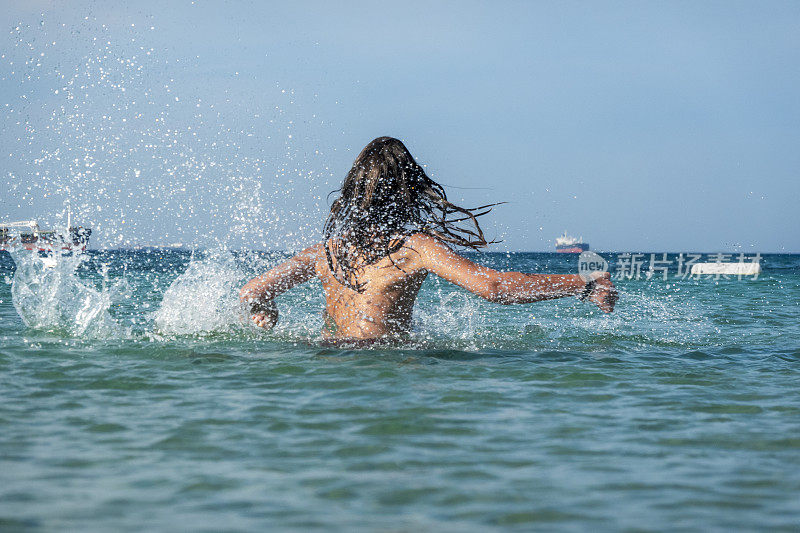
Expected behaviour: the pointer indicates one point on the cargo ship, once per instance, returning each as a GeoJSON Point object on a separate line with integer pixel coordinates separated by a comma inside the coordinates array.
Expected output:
{"type": "Point", "coordinates": [29, 235]}
{"type": "Point", "coordinates": [570, 245]}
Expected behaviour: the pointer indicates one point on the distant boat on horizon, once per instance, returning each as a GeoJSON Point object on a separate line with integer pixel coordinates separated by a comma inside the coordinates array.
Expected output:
{"type": "Point", "coordinates": [567, 244]}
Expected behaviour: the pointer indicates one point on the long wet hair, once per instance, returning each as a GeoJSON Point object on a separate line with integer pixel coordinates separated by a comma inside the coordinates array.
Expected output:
{"type": "Point", "coordinates": [386, 197]}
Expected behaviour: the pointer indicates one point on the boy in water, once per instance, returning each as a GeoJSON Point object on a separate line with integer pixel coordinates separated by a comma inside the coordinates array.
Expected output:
{"type": "Point", "coordinates": [390, 227]}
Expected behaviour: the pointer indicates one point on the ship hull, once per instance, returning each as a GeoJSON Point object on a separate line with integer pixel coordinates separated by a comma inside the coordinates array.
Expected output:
{"type": "Point", "coordinates": [573, 248]}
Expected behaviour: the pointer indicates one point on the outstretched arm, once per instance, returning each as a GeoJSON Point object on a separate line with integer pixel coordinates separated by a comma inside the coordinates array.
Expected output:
{"type": "Point", "coordinates": [259, 292]}
{"type": "Point", "coordinates": [507, 287]}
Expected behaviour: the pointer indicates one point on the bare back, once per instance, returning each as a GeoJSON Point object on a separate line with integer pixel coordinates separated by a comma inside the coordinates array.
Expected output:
{"type": "Point", "coordinates": [385, 306]}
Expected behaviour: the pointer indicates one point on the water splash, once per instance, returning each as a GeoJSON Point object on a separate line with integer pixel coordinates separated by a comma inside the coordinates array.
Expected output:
{"type": "Point", "coordinates": [204, 299]}
{"type": "Point", "coordinates": [48, 294]}
{"type": "Point", "coordinates": [447, 315]}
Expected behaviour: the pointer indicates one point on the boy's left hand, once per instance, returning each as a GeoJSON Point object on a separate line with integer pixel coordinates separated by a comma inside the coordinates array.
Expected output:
{"type": "Point", "coordinates": [605, 295]}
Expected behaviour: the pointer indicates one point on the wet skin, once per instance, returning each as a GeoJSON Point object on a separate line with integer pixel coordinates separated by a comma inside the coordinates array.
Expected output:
{"type": "Point", "coordinates": [384, 309]}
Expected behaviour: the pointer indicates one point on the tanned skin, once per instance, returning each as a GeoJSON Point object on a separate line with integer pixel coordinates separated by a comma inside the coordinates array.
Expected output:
{"type": "Point", "coordinates": [384, 309]}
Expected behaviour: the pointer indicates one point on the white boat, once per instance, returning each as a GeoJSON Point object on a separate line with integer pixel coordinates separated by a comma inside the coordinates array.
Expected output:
{"type": "Point", "coordinates": [29, 235]}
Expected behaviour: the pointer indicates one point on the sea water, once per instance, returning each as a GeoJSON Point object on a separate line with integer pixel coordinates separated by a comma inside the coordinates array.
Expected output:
{"type": "Point", "coordinates": [133, 397]}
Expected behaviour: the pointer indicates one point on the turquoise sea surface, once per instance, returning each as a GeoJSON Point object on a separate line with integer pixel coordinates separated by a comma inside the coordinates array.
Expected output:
{"type": "Point", "coordinates": [133, 398]}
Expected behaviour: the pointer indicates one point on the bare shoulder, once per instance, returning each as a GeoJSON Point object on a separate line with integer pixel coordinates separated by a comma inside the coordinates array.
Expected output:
{"type": "Point", "coordinates": [313, 250]}
{"type": "Point", "coordinates": [421, 249]}
{"type": "Point", "coordinates": [436, 256]}
{"type": "Point", "coordinates": [311, 255]}
{"type": "Point", "coordinates": [424, 242]}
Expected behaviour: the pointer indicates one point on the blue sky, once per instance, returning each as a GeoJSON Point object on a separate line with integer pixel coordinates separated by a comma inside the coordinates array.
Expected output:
{"type": "Point", "coordinates": [642, 126]}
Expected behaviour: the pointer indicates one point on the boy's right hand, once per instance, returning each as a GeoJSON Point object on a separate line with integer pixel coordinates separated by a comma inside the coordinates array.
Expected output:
{"type": "Point", "coordinates": [263, 313]}
{"type": "Point", "coordinates": [265, 321]}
